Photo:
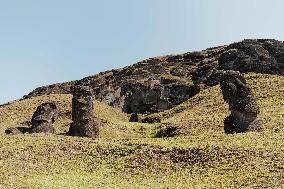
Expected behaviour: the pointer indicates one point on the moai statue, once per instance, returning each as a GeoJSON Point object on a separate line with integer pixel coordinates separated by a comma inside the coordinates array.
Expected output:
{"type": "Point", "coordinates": [84, 124]}
{"type": "Point", "coordinates": [44, 117]}
{"type": "Point", "coordinates": [242, 104]}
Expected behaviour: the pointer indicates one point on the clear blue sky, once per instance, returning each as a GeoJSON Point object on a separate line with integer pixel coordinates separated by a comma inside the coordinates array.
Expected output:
{"type": "Point", "coordinates": [48, 41]}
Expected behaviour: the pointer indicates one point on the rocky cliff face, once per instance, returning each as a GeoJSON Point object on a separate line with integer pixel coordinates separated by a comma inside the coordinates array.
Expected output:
{"type": "Point", "coordinates": [160, 83]}
{"type": "Point", "coordinates": [262, 56]}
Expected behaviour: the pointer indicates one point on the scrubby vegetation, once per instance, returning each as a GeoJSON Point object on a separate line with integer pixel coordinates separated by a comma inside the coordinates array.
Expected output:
{"type": "Point", "coordinates": [129, 155]}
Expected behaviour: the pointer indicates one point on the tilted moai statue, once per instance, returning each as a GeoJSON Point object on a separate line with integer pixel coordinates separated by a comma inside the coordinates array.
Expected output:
{"type": "Point", "coordinates": [44, 117]}
{"type": "Point", "coordinates": [242, 104]}
{"type": "Point", "coordinates": [84, 124]}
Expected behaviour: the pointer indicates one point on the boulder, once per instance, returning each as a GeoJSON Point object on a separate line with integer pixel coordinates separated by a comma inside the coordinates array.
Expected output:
{"type": "Point", "coordinates": [242, 104]}
{"type": "Point", "coordinates": [84, 124]}
{"type": "Point", "coordinates": [134, 118]}
{"type": "Point", "coordinates": [44, 117]}
{"type": "Point", "coordinates": [205, 74]}
{"type": "Point", "coordinates": [161, 83]}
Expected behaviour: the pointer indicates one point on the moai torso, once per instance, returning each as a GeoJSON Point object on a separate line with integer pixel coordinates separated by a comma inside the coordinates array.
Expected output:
{"type": "Point", "coordinates": [84, 123]}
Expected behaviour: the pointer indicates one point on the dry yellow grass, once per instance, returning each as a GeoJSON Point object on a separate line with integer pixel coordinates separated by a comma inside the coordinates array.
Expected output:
{"type": "Point", "coordinates": [125, 156]}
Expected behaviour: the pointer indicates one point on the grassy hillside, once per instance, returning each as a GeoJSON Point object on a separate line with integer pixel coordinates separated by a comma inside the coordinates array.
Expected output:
{"type": "Point", "coordinates": [125, 155]}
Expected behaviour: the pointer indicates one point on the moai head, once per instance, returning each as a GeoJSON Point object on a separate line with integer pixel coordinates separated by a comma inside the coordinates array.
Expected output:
{"type": "Point", "coordinates": [242, 104]}
{"type": "Point", "coordinates": [237, 93]}
{"type": "Point", "coordinates": [43, 118]}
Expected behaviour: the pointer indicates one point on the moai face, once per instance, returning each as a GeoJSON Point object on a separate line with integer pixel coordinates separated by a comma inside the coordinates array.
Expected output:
{"type": "Point", "coordinates": [46, 112]}
{"type": "Point", "coordinates": [43, 118]}
{"type": "Point", "coordinates": [237, 93]}
{"type": "Point", "coordinates": [242, 104]}
{"type": "Point", "coordinates": [84, 124]}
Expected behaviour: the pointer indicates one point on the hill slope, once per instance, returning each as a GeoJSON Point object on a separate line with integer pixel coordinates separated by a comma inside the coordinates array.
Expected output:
{"type": "Point", "coordinates": [130, 155]}
{"type": "Point", "coordinates": [126, 155]}
{"type": "Point", "coordinates": [161, 83]}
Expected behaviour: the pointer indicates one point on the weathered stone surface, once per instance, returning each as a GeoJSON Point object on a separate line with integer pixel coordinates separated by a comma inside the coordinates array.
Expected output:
{"type": "Point", "coordinates": [260, 56]}
{"type": "Point", "coordinates": [238, 122]}
{"type": "Point", "coordinates": [242, 104]}
{"type": "Point", "coordinates": [44, 117]}
{"type": "Point", "coordinates": [257, 55]}
{"type": "Point", "coordinates": [153, 96]}
{"type": "Point", "coordinates": [84, 124]}
{"type": "Point", "coordinates": [134, 117]}
{"type": "Point", "coordinates": [206, 74]}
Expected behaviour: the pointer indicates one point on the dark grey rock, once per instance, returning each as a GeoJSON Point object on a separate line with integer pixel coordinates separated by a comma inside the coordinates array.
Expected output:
{"type": "Point", "coordinates": [206, 74]}
{"type": "Point", "coordinates": [153, 96]}
{"type": "Point", "coordinates": [260, 56]}
{"type": "Point", "coordinates": [44, 117]}
{"type": "Point", "coordinates": [242, 104]}
{"type": "Point", "coordinates": [84, 124]}
{"type": "Point", "coordinates": [134, 118]}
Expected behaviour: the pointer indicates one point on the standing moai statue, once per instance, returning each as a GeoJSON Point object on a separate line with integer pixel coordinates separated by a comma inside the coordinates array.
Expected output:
{"type": "Point", "coordinates": [84, 124]}
{"type": "Point", "coordinates": [44, 117]}
{"type": "Point", "coordinates": [242, 104]}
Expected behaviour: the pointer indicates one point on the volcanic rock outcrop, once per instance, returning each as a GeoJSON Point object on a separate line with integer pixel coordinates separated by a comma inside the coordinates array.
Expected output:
{"type": "Point", "coordinates": [44, 117]}
{"type": "Point", "coordinates": [149, 86]}
{"type": "Point", "coordinates": [206, 74]}
{"type": "Point", "coordinates": [260, 56]}
{"type": "Point", "coordinates": [160, 83]}
{"type": "Point", "coordinates": [84, 124]}
{"type": "Point", "coordinates": [153, 96]}
{"type": "Point", "coordinates": [242, 104]}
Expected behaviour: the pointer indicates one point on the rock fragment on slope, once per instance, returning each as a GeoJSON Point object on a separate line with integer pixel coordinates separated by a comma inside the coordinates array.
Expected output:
{"type": "Point", "coordinates": [134, 117]}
